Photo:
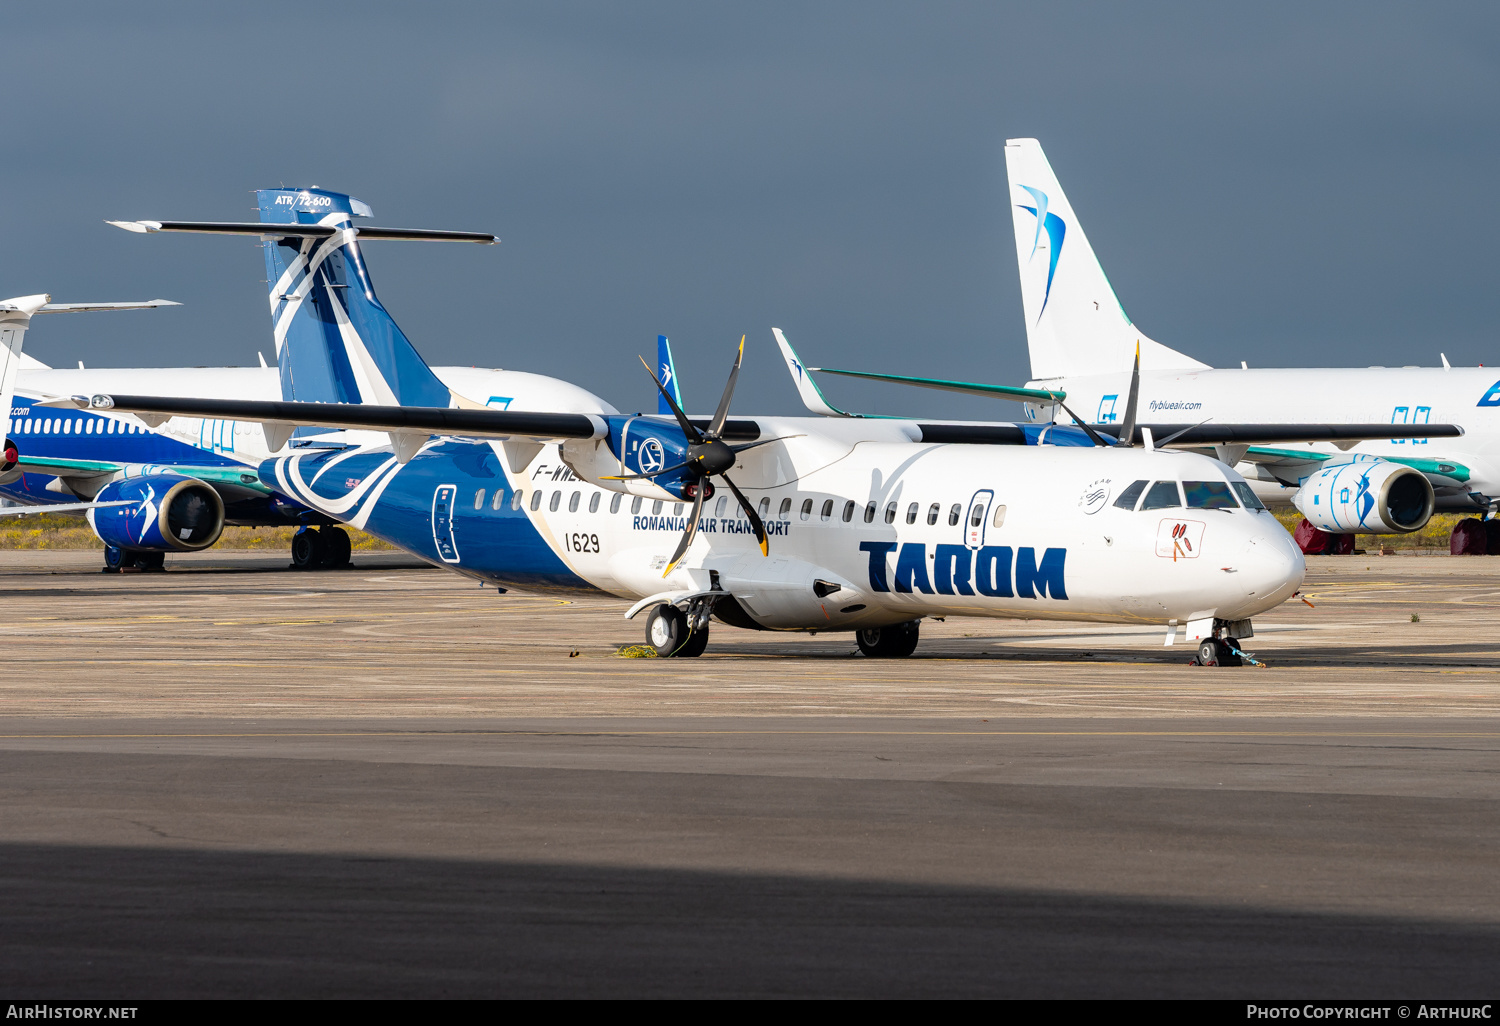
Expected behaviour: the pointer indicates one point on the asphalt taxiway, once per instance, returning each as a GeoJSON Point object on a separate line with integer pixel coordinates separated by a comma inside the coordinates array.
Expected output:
{"type": "Point", "coordinates": [232, 779]}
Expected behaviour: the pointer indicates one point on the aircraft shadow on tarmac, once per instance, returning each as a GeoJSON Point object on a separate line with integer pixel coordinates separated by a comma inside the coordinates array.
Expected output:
{"type": "Point", "coordinates": [135, 922]}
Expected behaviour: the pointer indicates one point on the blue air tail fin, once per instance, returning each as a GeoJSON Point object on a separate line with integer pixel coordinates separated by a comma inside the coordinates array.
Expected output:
{"type": "Point", "coordinates": [335, 342]}
{"type": "Point", "coordinates": [666, 370]}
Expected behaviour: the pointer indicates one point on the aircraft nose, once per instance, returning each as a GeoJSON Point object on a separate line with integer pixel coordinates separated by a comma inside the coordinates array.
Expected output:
{"type": "Point", "coordinates": [1273, 564]}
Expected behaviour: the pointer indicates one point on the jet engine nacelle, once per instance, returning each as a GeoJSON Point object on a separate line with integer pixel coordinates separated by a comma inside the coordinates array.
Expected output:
{"type": "Point", "coordinates": [167, 513]}
{"type": "Point", "coordinates": [1366, 497]}
{"type": "Point", "coordinates": [12, 456]}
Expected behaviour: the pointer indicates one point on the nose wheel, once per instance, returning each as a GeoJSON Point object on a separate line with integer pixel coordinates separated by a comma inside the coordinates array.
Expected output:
{"type": "Point", "coordinates": [668, 631]}
{"type": "Point", "coordinates": [1217, 652]}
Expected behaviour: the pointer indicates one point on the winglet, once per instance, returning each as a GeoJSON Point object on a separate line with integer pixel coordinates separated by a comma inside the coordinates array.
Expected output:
{"type": "Point", "coordinates": [807, 388]}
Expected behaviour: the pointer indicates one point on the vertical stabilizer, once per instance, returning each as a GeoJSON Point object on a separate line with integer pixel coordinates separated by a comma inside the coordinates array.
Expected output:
{"type": "Point", "coordinates": [666, 373]}
{"type": "Point", "coordinates": [335, 342]}
{"type": "Point", "coordinates": [15, 318]}
{"type": "Point", "coordinates": [1074, 323]}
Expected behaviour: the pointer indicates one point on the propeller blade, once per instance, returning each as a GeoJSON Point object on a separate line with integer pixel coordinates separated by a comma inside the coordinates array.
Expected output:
{"type": "Point", "coordinates": [722, 413]}
{"type": "Point", "coordinates": [755, 522]}
{"type": "Point", "coordinates": [682, 421]}
{"type": "Point", "coordinates": [742, 448]}
{"type": "Point", "coordinates": [1093, 435]}
{"type": "Point", "coordinates": [1178, 434]}
{"type": "Point", "coordinates": [1127, 426]}
{"type": "Point", "coordinates": [643, 477]}
{"type": "Point", "coordinates": [687, 536]}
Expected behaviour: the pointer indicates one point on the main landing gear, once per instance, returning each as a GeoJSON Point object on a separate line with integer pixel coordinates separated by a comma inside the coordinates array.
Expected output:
{"type": "Point", "coordinates": [894, 642]}
{"type": "Point", "coordinates": [118, 559]}
{"type": "Point", "coordinates": [320, 548]}
{"type": "Point", "coordinates": [673, 634]}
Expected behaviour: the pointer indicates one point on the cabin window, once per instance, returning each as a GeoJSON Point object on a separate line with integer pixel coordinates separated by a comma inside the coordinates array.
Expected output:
{"type": "Point", "coordinates": [1247, 496]}
{"type": "Point", "coordinates": [1130, 495]}
{"type": "Point", "coordinates": [515, 499]}
{"type": "Point", "coordinates": [827, 511]}
{"type": "Point", "coordinates": [498, 500]}
{"type": "Point", "coordinates": [870, 508]}
{"type": "Point", "coordinates": [1208, 495]}
{"type": "Point", "coordinates": [785, 512]}
{"type": "Point", "coordinates": [614, 502]}
{"type": "Point", "coordinates": [635, 505]}
{"type": "Point", "coordinates": [890, 512]}
{"type": "Point", "coordinates": [67, 427]}
{"type": "Point", "coordinates": [932, 514]}
{"type": "Point", "coordinates": [911, 513]}
{"type": "Point", "coordinates": [955, 514]}
{"type": "Point", "coordinates": [764, 509]}
{"type": "Point", "coordinates": [594, 502]}
{"type": "Point", "coordinates": [1163, 495]}
{"type": "Point", "coordinates": [677, 509]}
{"type": "Point", "coordinates": [849, 510]}
{"type": "Point", "coordinates": [556, 502]}
{"type": "Point", "coordinates": [656, 508]}
{"type": "Point", "coordinates": [806, 509]}
{"type": "Point", "coordinates": [479, 499]}
{"type": "Point", "coordinates": [573, 502]}
{"type": "Point", "coordinates": [976, 515]}
{"type": "Point", "coordinates": [998, 520]}
{"type": "Point", "coordinates": [536, 500]}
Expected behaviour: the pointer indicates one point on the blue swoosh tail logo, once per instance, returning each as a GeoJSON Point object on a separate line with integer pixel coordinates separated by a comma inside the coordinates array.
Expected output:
{"type": "Point", "coordinates": [1055, 228]}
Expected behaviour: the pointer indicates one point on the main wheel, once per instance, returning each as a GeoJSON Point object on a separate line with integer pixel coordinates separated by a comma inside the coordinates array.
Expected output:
{"type": "Point", "coordinates": [151, 561]}
{"type": "Point", "coordinates": [307, 549]}
{"type": "Point", "coordinates": [117, 559]}
{"type": "Point", "coordinates": [335, 547]}
{"type": "Point", "coordinates": [666, 630]}
{"type": "Point", "coordinates": [894, 642]}
{"type": "Point", "coordinates": [696, 642]}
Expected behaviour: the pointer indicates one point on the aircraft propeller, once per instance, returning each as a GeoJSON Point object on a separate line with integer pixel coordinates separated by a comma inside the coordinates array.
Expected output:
{"type": "Point", "coordinates": [708, 455]}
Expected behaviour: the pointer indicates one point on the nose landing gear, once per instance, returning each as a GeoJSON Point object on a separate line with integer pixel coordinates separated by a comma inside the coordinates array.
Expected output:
{"type": "Point", "coordinates": [1219, 652]}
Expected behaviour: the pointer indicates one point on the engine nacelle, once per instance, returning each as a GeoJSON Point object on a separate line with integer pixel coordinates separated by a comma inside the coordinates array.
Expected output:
{"type": "Point", "coordinates": [1366, 497]}
{"type": "Point", "coordinates": [635, 445]}
{"type": "Point", "coordinates": [167, 513]}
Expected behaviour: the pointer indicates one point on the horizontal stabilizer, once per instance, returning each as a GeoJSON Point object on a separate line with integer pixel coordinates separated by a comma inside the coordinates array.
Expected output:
{"type": "Point", "coordinates": [969, 387]}
{"type": "Point", "coordinates": [149, 304]}
{"type": "Point", "coordinates": [271, 230]}
{"type": "Point", "coordinates": [430, 420]}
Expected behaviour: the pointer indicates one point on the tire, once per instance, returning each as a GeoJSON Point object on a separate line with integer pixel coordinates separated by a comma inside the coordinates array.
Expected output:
{"type": "Point", "coordinates": [696, 642]}
{"type": "Point", "coordinates": [1228, 658]}
{"type": "Point", "coordinates": [116, 559]}
{"type": "Point", "coordinates": [151, 561]}
{"type": "Point", "coordinates": [1208, 652]}
{"type": "Point", "coordinates": [307, 549]}
{"type": "Point", "coordinates": [666, 630]}
{"type": "Point", "coordinates": [336, 548]}
{"type": "Point", "coordinates": [894, 642]}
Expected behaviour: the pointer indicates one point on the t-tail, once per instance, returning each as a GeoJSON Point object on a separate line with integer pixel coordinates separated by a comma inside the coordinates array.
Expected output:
{"type": "Point", "coordinates": [335, 340]}
{"type": "Point", "coordinates": [666, 372]}
{"type": "Point", "coordinates": [1074, 323]}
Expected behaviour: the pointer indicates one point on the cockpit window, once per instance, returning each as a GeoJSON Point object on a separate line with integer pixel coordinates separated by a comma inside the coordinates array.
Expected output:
{"type": "Point", "coordinates": [1208, 495]}
{"type": "Point", "coordinates": [1163, 495]}
{"type": "Point", "coordinates": [1247, 496]}
{"type": "Point", "coordinates": [1132, 492]}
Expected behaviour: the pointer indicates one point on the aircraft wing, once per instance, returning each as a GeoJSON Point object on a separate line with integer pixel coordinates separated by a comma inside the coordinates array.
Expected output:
{"type": "Point", "coordinates": [274, 230]}
{"type": "Point", "coordinates": [1290, 465]}
{"type": "Point", "coordinates": [61, 507]}
{"type": "Point", "coordinates": [86, 477]}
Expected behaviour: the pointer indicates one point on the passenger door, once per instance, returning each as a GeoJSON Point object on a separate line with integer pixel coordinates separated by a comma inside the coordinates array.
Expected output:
{"type": "Point", "coordinates": [442, 523]}
{"type": "Point", "coordinates": [976, 518]}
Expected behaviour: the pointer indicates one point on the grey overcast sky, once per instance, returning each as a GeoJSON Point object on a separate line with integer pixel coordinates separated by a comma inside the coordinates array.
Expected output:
{"type": "Point", "coordinates": [1288, 184]}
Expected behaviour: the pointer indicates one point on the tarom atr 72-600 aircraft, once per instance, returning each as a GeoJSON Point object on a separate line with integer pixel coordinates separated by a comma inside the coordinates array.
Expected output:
{"type": "Point", "coordinates": [201, 469]}
{"type": "Point", "coordinates": [865, 525]}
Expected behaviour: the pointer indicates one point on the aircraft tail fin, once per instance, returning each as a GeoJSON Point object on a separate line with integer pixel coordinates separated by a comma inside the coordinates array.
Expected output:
{"type": "Point", "coordinates": [335, 341]}
{"type": "Point", "coordinates": [1074, 322]}
{"type": "Point", "coordinates": [666, 372]}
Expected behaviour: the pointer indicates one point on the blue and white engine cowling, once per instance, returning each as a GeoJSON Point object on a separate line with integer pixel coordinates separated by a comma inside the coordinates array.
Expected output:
{"type": "Point", "coordinates": [167, 513]}
{"type": "Point", "coordinates": [1366, 497]}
